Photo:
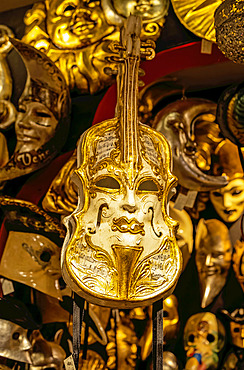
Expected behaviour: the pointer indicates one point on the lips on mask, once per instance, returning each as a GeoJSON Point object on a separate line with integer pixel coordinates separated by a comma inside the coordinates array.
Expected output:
{"type": "Point", "coordinates": [213, 258]}
{"type": "Point", "coordinates": [120, 249]}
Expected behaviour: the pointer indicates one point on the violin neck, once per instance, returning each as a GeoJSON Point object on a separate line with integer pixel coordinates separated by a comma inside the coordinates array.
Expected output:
{"type": "Point", "coordinates": [128, 102]}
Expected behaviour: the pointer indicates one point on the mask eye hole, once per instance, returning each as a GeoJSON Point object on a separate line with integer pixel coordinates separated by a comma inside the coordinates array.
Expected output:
{"type": "Point", "coordinates": [191, 338]}
{"type": "Point", "coordinates": [210, 338]}
{"type": "Point", "coordinates": [236, 330]}
{"type": "Point", "coordinates": [15, 335]}
{"type": "Point", "coordinates": [148, 185]}
{"type": "Point", "coordinates": [108, 183]}
{"type": "Point", "coordinates": [45, 256]}
{"type": "Point", "coordinates": [165, 313]}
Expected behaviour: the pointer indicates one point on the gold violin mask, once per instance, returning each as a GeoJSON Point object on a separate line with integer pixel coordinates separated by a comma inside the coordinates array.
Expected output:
{"type": "Point", "coordinates": [238, 262]}
{"type": "Point", "coordinates": [213, 258]}
{"type": "Point", "coordinates": [120, 249]}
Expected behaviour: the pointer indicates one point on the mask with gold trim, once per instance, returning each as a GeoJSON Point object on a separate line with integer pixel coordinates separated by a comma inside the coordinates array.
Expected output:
{"type": "Point", "coordinates": [42, 121]}
{"type": "Point", "coordinates": [229, 200]}
{"type": "Point", "coordinates": [204, 337]}
{"type": "Point", "coordinates": [213, 258]}
{"type": "Point", "coordinates": [177, 122]}
{"type": "Point", "coordinates": [120, 249]}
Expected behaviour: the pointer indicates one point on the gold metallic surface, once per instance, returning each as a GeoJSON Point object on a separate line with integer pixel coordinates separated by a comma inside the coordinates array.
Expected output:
{"type": "Point", "coordinates": [213, 258]}
{"type": "Point", "coordinates": [229, 200]}
{"type": "Point", "coordinates": [61, 196]}
{"type": "Point", "coordinates": [237, 334]}
{"type": "Point", "coordinates": [178, 122]}
{"type": "Point", "coordinates": [93, 361]}
{"type": "Point", "coordinates": [42, 121]}
{"type": "Point", "coordinates": [204, 335]}
{"type": "Point", "coordinates": [34, 260]}
{"type": "Point", "coordinates": [229, 29]}
{"type": "Point", "coordinates": [49, 224]}
{"type": "Point", "coordinates": [123, 343]}
{"type": "Point", "coordinates": [123, 173]}
{"type": "Point", "coordinates": [197, 16]}
{"type": "Point", "coordinates": [238, 262]}
{"type": "Point", "coordinates": [76, 35]}
{"type": "Point", "coordinates": [14, 343]}
{"type": "Point", "coordinates": [46, 354]}
{"type": "Point", "coordinates": [170, 326]}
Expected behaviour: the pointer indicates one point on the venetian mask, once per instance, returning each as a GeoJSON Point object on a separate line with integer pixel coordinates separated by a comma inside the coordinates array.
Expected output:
{"type": "Point", "coordinates": [76, 35]}
{"type": "Point", "coordinates": [229, 200]}
{"type": "Point", "coordinates": [34, 260]}
{"type": "Point", "coordinates": [14, 343]}
{"type": "Point", "coordinates": [238, 262]}
{"type": "Point", "coordinates": [204, 337]}
{"type": "Point", "coordinates": [213, 258]}
{"type": "Point", "coordinates": [120, 251]}
{"type": "Point", "coordinates": [44, 354]}
{"type": "Point", "coordinates": [148, 10]}
{"type": "Point", "coordinates": [43, 115]}
{"type": "Point", "coordinates": [176, 121]}
{"type": "Point", "coordinates": [184, 234]}
{"type": "Point", "coordinates": [236, 319]}
{"type": "Point", "coordinates": [75, 24]}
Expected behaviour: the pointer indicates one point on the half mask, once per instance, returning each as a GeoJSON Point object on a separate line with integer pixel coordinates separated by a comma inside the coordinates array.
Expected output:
{"type": "Point", "coordinates": [238, 262]}
{"type": "Point", "coordinates": [177, 122]}
{"type": "Point", "coordinates": [43, 115]}
{"type": "Point", "coordinates": [14, 343]}
{"type": "Point", "coordinates": [120, 248]}
{"type": "Point", "coordinates": [213, 258]}
{"type": "Point", "coordinates": [204, 337]}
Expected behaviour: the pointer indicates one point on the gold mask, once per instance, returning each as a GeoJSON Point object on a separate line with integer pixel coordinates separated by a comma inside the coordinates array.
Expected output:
{"type": "Point", "coordinates": [42, 120]}
{"type": "Point", "coordinates": [177, 122]}
{"type": "Point", "coordinates": [120, 249]}
{"type": "Point", "coordinates": [229, 200]}
{"type": "Point", "coordinates": [236, 326]}
{"type": "Point", "coordinates": [76, 34]}
{"type": "Point", "coordinates": [46, 354]}
{"type": "Point", "coordinates": [14, 343]}
{"type": "Point", "coordinates": [238, 262]}
{"type": "Point", "coordinates": [213, 258]}
{"type": "Point", "coordinates": [33, 260]}
{"type": "Point", "coordinates": [203, 338]}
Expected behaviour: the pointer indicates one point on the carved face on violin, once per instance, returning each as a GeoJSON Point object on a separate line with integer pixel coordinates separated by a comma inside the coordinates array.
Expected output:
{"type": "Point", "coordinates": [120, 235]}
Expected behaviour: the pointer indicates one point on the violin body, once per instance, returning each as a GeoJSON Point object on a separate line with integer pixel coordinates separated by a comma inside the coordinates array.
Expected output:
{"type": "Point", "coordinates": [120, 249]}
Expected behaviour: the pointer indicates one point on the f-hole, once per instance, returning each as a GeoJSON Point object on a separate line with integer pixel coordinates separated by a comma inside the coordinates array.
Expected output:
{"type": "Point", "coordinates": [160, 233]}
